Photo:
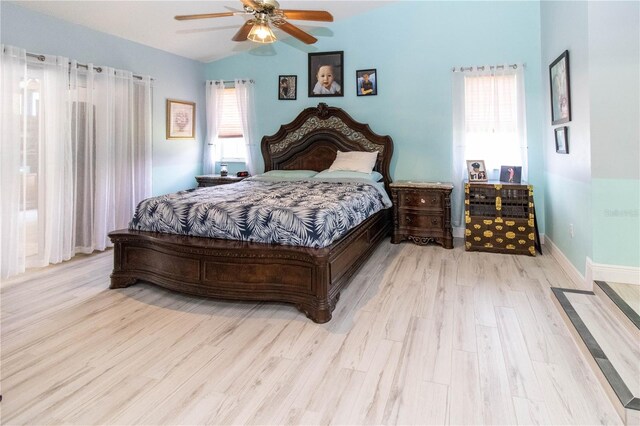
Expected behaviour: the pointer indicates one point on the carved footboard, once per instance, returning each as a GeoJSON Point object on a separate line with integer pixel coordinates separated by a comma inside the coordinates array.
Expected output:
{"type": "Point", "coordinates": [309, 278]}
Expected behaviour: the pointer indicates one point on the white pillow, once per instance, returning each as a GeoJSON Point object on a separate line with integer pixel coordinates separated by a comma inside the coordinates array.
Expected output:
{"type": "Point", "coordinates": [355, 161]}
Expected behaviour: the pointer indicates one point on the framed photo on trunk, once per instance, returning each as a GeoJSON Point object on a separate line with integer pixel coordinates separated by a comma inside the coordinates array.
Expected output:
{"type": "Point", "coordinates": [477, 171]}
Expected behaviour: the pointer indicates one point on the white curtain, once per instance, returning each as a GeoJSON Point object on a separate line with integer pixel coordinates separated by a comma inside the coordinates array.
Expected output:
{"type": "Point", "coordinates": [13, 70]}
{"type": "Point", "coordinates": [55, 174]}
{"type": "Point", "coordinates": [75, 157]}
{"type": "Point", "coordinates": [488, 124]}
{"type": "Point", "coordinates": [112, 137]}
{"type": "Point", "coordinates": [211, 151]}
{"type": "Point", "coordinates": [245, 96]}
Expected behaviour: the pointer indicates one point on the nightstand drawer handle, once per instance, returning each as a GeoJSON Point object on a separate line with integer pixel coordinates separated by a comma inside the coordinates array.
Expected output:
{"type": "Point", "coordinates": [422, 200]}
{"type": "Point", "coordinates": [434, 221]}
{"type": "Point", "coordinates": [434, 200]}
{"type": "Point", "coordinates": [407, 219]}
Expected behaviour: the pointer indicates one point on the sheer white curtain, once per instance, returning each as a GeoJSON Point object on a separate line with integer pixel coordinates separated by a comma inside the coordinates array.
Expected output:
{"type": "Point", "coordinates": [211, 152]}
{"type": "Point", "coordinates": [75, 157]}
{"type": "Point", "coordinates": [111, 114]}
{"type": "Point", "coordinates": [13, 71]}
{"type": "Point", "coordinates": [488, 123]}
{"type": "Point", "coordinates": [245, 96]}
{"type": "Point", "coordinates": [55, 174]}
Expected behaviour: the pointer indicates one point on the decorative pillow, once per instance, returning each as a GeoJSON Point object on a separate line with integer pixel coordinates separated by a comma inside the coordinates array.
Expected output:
{"type": "Point", "coordinates": [290, 173]}
{"type": "Point", "coordinates": [345, 174]}
{"type": "Point", "coordinates": [355, 161]}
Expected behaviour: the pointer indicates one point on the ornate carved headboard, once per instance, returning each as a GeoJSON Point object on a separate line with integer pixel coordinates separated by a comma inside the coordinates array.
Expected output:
{"type": "Point", "coordinates": [310, 142]}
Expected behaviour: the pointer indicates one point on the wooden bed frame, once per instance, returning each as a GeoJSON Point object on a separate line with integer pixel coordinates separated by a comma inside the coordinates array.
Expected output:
{"type": "Point", "coordinates": [307, 277]}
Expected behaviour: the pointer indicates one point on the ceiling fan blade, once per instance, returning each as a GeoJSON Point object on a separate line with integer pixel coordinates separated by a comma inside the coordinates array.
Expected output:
{"type": "Point", "coordinates": [296, 32]}
{"type": "Point", "coordinates": [252, 4]}
{"type": "Point", "coordinates": [204, 15]}
{"type": "Point", "coordinates": [243, 32]}
{"type": "Point", "coordinates": [308, 15]}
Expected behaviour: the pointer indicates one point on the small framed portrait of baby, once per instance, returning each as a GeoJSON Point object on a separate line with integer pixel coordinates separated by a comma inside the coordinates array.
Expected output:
{"type": "Point", "coordinates": [287, 87]}
{"type": "Point", "coordinates": [366, 83]}
{"type": "Point", "coordinates": [477, 171]}
{"type": "Point", "coordinates": [326, 74]}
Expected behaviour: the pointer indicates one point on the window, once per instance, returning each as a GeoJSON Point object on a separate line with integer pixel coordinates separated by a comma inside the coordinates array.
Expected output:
{"type": "Point", "coordinates": [491, 120]}
{"type": "Point", "coordinates": [488, 124]}
{"type": "Point", "coordinates": [232, 145]}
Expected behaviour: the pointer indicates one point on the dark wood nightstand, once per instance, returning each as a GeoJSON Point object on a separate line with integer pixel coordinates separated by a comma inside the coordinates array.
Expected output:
{"type": "Point", "coordinates": [215, 180]}
{"type": "Point", "coordinates": [422, 212]}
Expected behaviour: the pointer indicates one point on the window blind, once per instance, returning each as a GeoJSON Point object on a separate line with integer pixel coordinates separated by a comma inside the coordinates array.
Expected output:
{"type": "Point", "coordinates": [230, 126]}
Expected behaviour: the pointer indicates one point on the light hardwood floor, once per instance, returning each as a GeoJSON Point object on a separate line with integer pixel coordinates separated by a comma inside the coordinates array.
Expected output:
{"type": "Point", "coordinates": [621, 347]}
{"type": "Point", "coordinates": [630, 293]}
{"type": "Point", "coordinates": [422, 335]}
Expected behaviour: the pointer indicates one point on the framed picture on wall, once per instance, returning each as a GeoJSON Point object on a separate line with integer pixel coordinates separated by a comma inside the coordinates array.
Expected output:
{"type": "Point", "coordinates": [326, 74]}
{"type": "Point", "coordinates": [560, 89]}
{"type": "Point", "coordinates": [287, 87]}
{"type": "Point", "coordinates": [366, 82]}
{"type": "Point", "coordinates": [181, 119]}
{"type": "Point", "coordinates": [562, 141]}
{"type": "Point", "coordinates": [477, 171]}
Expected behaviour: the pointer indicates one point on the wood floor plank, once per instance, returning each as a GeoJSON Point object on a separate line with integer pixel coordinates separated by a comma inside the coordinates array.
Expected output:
{"type": "Point", "coordinates": [464, 324]}
{"type": "Point", "coordinates": [465, 400]}
{"type": "Point", "coordinates": [522, 378]}
{"type": "Point", "coordinates": [494, 383]}
{"type": "Point", "coordinates": [437, 361]}
{"type": "Point", "coordinates": [530, 412]}
{"type": "Point", "coordinates": [374, 392]}
{"type": "Point", "coordinates": [403, 403]}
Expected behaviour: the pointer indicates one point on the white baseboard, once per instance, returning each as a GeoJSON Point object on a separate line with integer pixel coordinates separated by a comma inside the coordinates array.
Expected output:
{"type": "Point", "coordinates": [578, 279]}
{"type": "Point", "coordinates": [613, 273]}
{"type": "Point", "coordinates": [594, 271]}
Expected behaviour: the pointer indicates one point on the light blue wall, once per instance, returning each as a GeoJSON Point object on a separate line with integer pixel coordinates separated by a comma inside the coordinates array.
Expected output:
{"type": "Point", "coordinates": [175, 163]}
{"type": "Point", "coordinates": [596, 187]}
{"type": "Point", "coordinates": [413, 46]}
{"type": "Point", "coordinates": [564, 26]}
{"type": "Point", "coordinates": [614, 75]}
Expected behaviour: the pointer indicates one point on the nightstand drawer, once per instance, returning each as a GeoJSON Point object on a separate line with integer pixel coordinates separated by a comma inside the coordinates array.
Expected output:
{"type": "Point", "coordinates": [421, 199]}
{"type": "Point", "coordinates": [421, 221]}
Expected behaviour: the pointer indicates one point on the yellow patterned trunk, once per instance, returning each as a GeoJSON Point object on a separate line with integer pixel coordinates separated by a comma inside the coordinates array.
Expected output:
{"type": "Point", "coordinates": [500, 218]}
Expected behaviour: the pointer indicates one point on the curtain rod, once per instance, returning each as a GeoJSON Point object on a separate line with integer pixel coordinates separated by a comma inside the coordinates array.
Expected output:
{"type": "Point", "coordinates": [42, 58]}
{"type": "Point", "coordinates": [482, 67]}
{"type": "Point", "coordinates": [230, 81]}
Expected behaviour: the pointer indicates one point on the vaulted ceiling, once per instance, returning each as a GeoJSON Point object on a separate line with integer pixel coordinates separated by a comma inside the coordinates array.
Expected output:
{"type": "Point", "coordinates": [152, 23]}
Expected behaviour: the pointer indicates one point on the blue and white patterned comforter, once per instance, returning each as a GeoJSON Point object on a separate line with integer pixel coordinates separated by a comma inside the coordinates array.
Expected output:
{"type": "Point", "coordinates": [300, 213]}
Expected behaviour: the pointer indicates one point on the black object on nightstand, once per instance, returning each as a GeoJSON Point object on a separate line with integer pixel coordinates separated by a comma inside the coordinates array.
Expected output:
{"type": "Point", "coordinates": [422, 212]}
{"type": "Point", "coordinates": [215, 180]}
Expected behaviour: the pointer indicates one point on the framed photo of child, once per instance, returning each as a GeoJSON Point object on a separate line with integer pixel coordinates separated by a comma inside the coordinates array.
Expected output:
{"type": "Point", "coordinates": [366, 84]}
{"type": "Point", "coordinates": [326, 74]}
{"type": "Point", "coordinates": [477, 171]}
{"type": "Point", "coordinates": [287, 87]}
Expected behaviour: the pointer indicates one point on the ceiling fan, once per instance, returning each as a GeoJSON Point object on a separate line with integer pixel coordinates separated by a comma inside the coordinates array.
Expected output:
{"type": "Point", "coordinates": [265, 12]}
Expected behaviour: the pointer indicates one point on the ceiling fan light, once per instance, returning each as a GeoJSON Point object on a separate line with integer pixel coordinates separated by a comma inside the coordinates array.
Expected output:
{"type": "Point", "coordinates": [261, 33]}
